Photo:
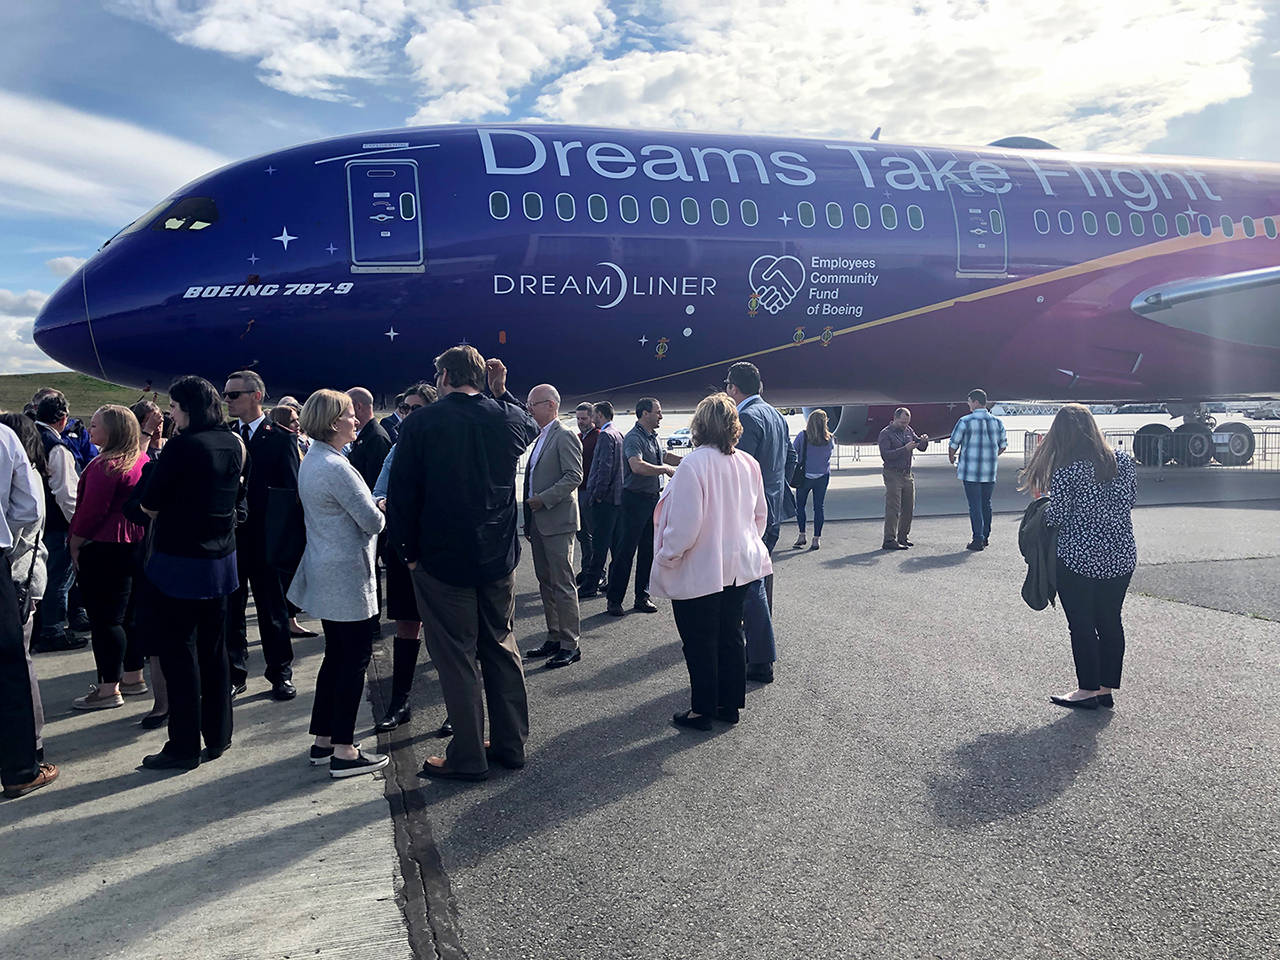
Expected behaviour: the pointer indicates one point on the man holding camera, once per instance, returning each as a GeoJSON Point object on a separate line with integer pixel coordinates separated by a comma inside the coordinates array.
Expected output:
{"type": "Point", "coordinates": [898, 442]}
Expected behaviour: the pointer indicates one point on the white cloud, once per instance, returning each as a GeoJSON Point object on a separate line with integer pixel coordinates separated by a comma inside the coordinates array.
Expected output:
{"type": "Point", "coordinates": [18, 354]}
{"type": "Point", "coordinates": [64, 266]}
{"type": "Point", "coordinates": [59, 161]}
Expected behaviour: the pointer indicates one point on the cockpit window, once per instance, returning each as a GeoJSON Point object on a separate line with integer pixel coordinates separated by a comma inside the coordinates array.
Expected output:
{"type": "Point", "coordinates": [189, 213]}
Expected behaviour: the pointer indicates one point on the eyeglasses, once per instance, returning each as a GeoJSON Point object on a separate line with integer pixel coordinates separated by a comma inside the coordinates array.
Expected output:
{"type": "Point", "coordinates": [537, 402]}
{"type": "Point", "coordinates": [233, 394]}
{"type": "Point", "coordinates": [404, 406]}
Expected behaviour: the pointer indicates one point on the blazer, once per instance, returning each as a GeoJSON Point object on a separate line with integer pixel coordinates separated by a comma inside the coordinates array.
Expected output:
{"type": "Point", "coordinates": [1038, 543]}
{"type": "Point", "coordinates": [554, 479]}
{"type": "Point", "coordinates": [369, 450]}
{"type": "Point", "coordinates": [391, 424]}
{"type": "Point", "coordinates": [451, 500]}
{"type": "Point", "coordinates": [765, 436]}
{"type": "Point", "coordinates": [335, 579]}
{"type": "Point", "coordinates": [196, 488]}
{"type": "Point", "coordinates": [605, 481]}
{"type": "Point", "coordinates": [273, 462]}
{"type": "Point", "coordinates": [708, 525]}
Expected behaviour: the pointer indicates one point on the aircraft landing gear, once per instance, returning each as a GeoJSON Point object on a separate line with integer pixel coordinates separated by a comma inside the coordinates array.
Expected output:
{"type": "Point", "coordinates": [1153, 444]}
{"type": "Point", "coordinates": [1193, 444]}
{"type": "Point", "coordinates": [1233, 444]}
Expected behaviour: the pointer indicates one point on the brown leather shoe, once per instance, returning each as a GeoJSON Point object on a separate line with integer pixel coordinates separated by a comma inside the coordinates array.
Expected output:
{"type": "Point", "coordinates": [45, 775]}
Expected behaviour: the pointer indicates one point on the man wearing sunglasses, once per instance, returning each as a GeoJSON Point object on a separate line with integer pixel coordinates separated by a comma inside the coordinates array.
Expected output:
{"type": "Point", "coordinates": [391, 422]}
{"type": "Point", "coordinates": [273, 463]}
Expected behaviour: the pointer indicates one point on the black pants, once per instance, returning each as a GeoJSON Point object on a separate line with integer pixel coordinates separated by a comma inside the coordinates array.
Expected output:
{"type": "Point", "coordinates": [584, 532]}
{"type": "Point", "coordinates": [273, 622]}
{"type": "Point", "coordinates": [193, 656]}
{"type": "Point", "coordinates": [635, 543]}
{"type": "Point", "coordinates": [606, 529]}
{"type": "Point", "coordinates": [711, 634]}
{"type": "Point", "coordinates": [139, 629]}
{"type": "Point", "coordinates": [340, 683]}
{"type": "Point", "coordinates": [106, 578]}
{"type": "Point", "coordinates": [1097, 636]}
{"type": "Point", "coordinates": [18, 762]}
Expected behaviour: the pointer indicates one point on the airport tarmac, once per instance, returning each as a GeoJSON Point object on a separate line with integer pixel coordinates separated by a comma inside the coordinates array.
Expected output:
{"type": "Point", "coordinates": [903, 790]}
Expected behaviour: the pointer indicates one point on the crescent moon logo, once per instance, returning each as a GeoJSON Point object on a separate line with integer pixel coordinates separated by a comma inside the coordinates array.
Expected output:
{"type": "Point", "coordinates": [622, 285]}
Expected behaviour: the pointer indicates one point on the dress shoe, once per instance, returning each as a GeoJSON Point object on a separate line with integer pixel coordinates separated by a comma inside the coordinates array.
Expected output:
{"type": "Point", "coordinates": [238, 687]}
{"type": "Point", "coordinates": [502, 760]}
{"type": "Point", "coordinates": [548, 649]}
{"type": "Point", "coordinates": [686, 719]}
{"type": "Point", "coordinates": [1088, 703]}
{"type": "Point", "coordinates": [727, 714]}
{"type": "Point", "coordinates": [446, 729]}
{"type": "Point", "coordinates": [906, 543]}
{"type": "Point", "coordinates": [586, 593]}
{"type": "Point", "coordinates": [446, 772]}
{"type": "Point", "coordinates": [284, 690]}
{"type": "Point", "coordinates": [563, 658]}
{"type": "Point", "coordinates": [213, 753]}
{"type": "Point", "coordinates": [169, 761]}
{"type": "Point", "coordinates": [302, 634]}
{"type": "Point", "coordinates": [46, 773]}
{"type": "Point", "coordinates": [974, 545]}
{"type": "Point", "coordinates": [892, 545]}
{"type": "Point", "coordinates": [615, 609]}
{"type": "Point", "coordinates": [396, 714]}
{"type": "Point", "coordinates": [55, 641]}
{"type": "Point", "coordinates": [1106, 700]}
{"type": "Point", "coordinates": [986, 541]}
{"type": "Point", "coordinates": [760, 672]}
{"type": "Point", "coordinates": [645, 605]}
{"type": "Point", "coordinates": [154, 721]}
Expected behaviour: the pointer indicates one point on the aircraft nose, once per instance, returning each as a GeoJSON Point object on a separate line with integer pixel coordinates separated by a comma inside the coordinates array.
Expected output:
{"type": "Point", "coordinates": [62, 328]}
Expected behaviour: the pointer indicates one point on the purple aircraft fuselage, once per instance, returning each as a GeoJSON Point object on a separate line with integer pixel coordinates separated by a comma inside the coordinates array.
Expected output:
{"type": "Point", "coordinates": [616, 264]}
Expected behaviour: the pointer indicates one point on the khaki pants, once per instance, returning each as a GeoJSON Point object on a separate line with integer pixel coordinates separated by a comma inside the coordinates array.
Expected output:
{"type": "Point", "coordinates": [553, 564]}
{"type": "Point", "coordinates": [899, 504]}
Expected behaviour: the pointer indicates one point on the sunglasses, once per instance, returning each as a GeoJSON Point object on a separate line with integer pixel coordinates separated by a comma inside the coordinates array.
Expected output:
{"type": "Point", "coordinates": [233, 394]}
{"type": "Point", "coordinates": [404, 406]}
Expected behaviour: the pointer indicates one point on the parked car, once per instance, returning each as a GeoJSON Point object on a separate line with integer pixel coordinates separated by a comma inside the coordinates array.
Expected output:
{"type": "Point", "coordinates": [682, 438]}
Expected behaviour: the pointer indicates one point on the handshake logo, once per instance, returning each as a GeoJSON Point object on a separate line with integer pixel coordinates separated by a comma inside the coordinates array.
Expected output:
{"type": "Point", "coordinates": [776, 281]}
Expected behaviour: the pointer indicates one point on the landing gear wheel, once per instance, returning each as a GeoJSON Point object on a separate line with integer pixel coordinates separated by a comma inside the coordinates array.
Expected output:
{"type": "Point", "coordinates": [1193, 444]}
{"type": "Point", "coordinates": [1153, 444]}
{"type": "Point", "coordinates": [1233, 444]}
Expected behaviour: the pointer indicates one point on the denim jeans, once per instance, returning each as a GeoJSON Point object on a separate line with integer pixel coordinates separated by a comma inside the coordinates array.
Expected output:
{"type": "Point", "coordinates": [53, 608]}
{"type": "Point", "coordinates": [979, 496]}
{"type": "Point", "coordinates": [818, 486]}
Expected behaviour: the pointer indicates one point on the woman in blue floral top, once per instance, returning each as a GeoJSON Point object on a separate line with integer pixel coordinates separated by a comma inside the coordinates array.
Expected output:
{"type": "Point", "coordinates": [1091, 490]}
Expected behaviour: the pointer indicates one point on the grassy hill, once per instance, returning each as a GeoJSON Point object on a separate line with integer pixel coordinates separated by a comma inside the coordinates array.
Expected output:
{"type": "Point", "coordinates": [84, 394]}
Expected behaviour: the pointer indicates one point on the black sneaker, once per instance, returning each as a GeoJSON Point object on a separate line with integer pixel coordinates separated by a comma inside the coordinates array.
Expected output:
{"type": "Point", "coordinates": [321, 755]}
{"type": "Point", "coordinates": [363, 763]}
{"type": "Point", "coordinates": [975, 545]}
{"type": "Point", "coordinates": [57, 640]}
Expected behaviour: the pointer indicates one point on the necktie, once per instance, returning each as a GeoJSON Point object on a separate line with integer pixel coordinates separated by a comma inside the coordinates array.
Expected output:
{"type": "Point", "coordinates": [244, 432]}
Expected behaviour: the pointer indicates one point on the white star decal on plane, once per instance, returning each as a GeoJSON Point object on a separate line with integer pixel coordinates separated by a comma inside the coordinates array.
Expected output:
{"type": "Point", "coordinates": [331, 248]}
{"type": "Point", "coordinates": [1190, 212]}
{"type": "Point", "coordinates": [391, 334]}
{"type": "Point", "coordinates": [284, 237]}
{"type": "Point", "coordinates": [785, 219]}
{"type": "Point", "coordinates": [643, 340]}
{"type": "Point", "coordinates": [253, 258]}
{"type": "Point", "coordinates": [270, 171]}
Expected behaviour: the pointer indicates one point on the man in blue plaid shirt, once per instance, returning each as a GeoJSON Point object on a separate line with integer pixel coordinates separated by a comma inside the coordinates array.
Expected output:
{"type": "Point", "coordinates": [979, 439]}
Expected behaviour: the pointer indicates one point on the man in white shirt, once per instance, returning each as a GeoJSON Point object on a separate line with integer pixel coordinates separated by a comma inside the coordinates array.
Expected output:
{"type": "Point", "coordinates": [21, 770]}
{"type": "Point", "coordinates": [59, 486]}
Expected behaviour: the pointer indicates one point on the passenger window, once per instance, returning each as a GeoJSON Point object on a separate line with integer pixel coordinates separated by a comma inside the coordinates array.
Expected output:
{"type": "Point", "coordinates": [597, 208]}
{"type": "Point", "coordinates": [719, 212]}
{"type": "Point", "coordinates": [1089, 220]}
{"type": "Point", "coordinates": [805, 214]}
{"type": "Point", "coordinates": [1066, 222]}
{"type": "Point", "coordinates": [1137, 226]}
{"type": "Point", "coordinates": [659, 210]}
{"type": "Point", "coordinates": [1042, 221]}
{"type": "Point", "coordinates": [750, 215]}
{"type": "Point", "coordinates": [1183, 223]}
{"type": "Point", "coordinates": [189, 213]}
{"type": "Point", "coordinates": [888, 216]}
{"type": "Point", "coordinates": [1228, 227]}
{"type": "Point", "coordinates": [997, 222]}
{"type": "Point", "coordinates": [565, 207]}
{"type": "Point", "coordinates": [862, 215]}
{"type": "Point", "coordinates": [915, 217]}
{"type": "Point", "coordinates": [1159, 224]}
{"type": "Point", "coordinates": [499, 205]}
{"type": "Point", "coordinates": [1113, 223]}
{"type": "Point", "coordinates": [533, 206]}
{"type": "Point", "coordinates": [1206, 226]}
{"type": "Point", "coordinates": [835, 216]}
{"type": "Point", "coordinates": [689, 211]}
{"type": "Point", "coordinates": [628, 209]}
{"type": "Point", "coordinates": [1246, 224]}
{"type": "Point", "coordinates": [1269, 225]}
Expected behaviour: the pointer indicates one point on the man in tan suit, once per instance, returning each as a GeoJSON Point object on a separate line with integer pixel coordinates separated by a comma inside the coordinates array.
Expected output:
{"type": "Point", "coordinates": [551, 480]}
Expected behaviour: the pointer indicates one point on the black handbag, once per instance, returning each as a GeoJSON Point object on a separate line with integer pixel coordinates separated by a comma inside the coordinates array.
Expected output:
{"type": "Point", "coordinates": [286, 530]}
{"type": "Point", "coordinates": [797, 475]}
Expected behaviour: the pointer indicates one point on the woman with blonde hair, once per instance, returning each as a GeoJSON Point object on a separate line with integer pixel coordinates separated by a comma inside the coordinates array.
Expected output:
{"type": "Point", "coordinates": [813, 451]}
{"type": "Point", "coordinates": [707, 550]}
{"type": "Point", "coordinates": [100, 541]}
{"type": "Point", "coordinates": [335, 580]}
{"type": "Point", "coordinates": [1091, 490]}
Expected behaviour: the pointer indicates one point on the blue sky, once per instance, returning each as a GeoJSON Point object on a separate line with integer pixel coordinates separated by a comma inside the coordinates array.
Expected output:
{"type": "Point", "coordinates": [106, 106]}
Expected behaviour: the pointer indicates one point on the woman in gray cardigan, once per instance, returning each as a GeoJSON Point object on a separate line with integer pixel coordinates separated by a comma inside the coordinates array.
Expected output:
{"type": "Point", "coordinates": [335, 580]}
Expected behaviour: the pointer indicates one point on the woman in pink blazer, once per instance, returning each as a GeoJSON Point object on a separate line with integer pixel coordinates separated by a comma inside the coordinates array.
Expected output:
{"type": "Point", "coordinates": [706, 551]}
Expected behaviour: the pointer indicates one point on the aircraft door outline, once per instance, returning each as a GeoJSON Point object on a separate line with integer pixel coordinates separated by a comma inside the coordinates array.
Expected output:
{"type": "Point", "coordinates": [982, 231]}
{"type": "Point", "coordinates": [384, 213]}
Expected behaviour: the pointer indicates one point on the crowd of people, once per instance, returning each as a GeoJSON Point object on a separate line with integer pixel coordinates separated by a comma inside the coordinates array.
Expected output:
{"type": "Point", "coordinates": [164, 523]}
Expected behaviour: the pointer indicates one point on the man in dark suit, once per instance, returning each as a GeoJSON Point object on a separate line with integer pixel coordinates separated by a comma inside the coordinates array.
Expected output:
{"type": "Point", "coordinates": [391, 422]}
{"type": "Point", "coordinates": [372, 442]}
{"type": "Point", "coordinates": [603, 499]}
{"type": "Point", "coordinates": [765, 436]}
{"type": "Point", "coordinates": [273, 462]}
{"type": "Point", "coordinates": [451, 509]}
